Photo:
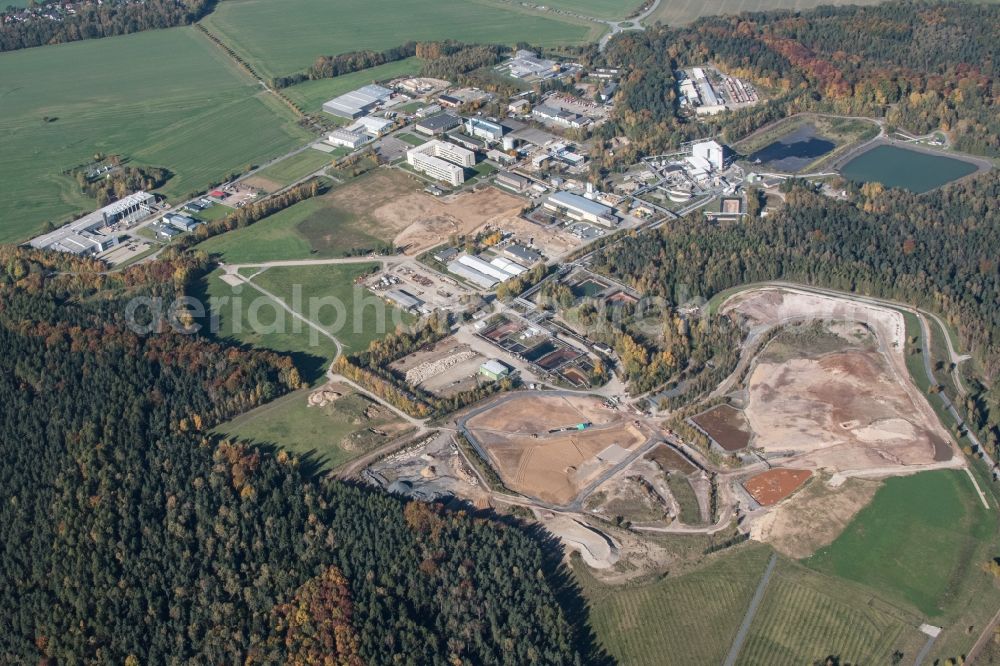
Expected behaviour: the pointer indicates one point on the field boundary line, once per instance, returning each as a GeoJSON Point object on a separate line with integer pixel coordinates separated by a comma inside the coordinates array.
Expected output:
{"type": "Point", "coordinates": [979, 491]}
{"type": "Point", "coordinates": [758, 596]}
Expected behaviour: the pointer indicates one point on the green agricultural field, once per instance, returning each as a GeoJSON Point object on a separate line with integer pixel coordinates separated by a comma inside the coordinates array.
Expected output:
{"type": "Point", "coordinates": [246, 316]}
{"type": "Point", "coordinates": [310, 95]}
{"type": "Point", "coordinates": [279, 38]}
{"type": "Point", "coordinates": [688, 619]}
{"type": "Point", "coordinates": [181, 104]}
{"type": "Point", "coordinates": [330, 435]}
{"type": "Point", "coordinates": [291, 169]}
{"type": "Point", "coordinates": [607, 9]}
{"type": "Point", "coordinates": [311, 229]}
{"type": "Point", "coordinates": [921, 541]}
{"type": "Point", "coordinates": [358, 324]}
{"type": "Point", "coordinates": [806, 617]}
{"type": "Point", "coordinates": [682, 13]}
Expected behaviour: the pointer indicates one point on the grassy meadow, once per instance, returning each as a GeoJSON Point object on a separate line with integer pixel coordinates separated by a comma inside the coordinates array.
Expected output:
{"type": "Point", "coordinates": [918, 542]}
{"type": "Point", "coordinates": [688, 619]}
{"type": "Point", "coordinates": [682, 13]}
{"type": "Point", "coordinates": [283, 37]}
{"type": "Point", "coordinates": [231, 309]}
{"type": "Point", "coordinates": [291, 169]}
{"type": "Point", "coordinates": [806, 617]}
{"type": "Point", "coordinates": [180, 104]}
{"type": "Point", "coordinates": [311, 229]}
{"type": "Point", "coordinates": [606, 9]}
{"type": "Point", "coordinates": [358, 325]}
{"type": "Point", "coordinates": [330, 435]}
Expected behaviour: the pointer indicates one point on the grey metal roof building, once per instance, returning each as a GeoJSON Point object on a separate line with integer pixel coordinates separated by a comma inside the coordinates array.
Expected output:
{"type": "Point", "coordinates": [438, 124]}
{"type": "Point", "coordinates": [357, 102]}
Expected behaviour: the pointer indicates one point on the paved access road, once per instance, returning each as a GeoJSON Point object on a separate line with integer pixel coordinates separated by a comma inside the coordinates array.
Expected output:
{"type": "Point", "coordinates": [758, 596]}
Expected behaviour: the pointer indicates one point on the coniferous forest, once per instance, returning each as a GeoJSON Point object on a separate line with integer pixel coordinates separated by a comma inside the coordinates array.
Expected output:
{"type": "Point", "coordinates": [129, 535]}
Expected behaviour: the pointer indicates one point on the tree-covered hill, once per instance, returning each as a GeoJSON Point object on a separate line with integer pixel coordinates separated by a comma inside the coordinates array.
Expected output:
{"type": "Point", "coordinates": [924, 66]}
{"type": "Point", "coordinates": [129, 536]}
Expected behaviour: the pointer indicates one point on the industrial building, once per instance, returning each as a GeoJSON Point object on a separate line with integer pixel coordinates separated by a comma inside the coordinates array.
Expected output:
{"type": "Point", "coordinates": [708, 156]}
{"type": "Point", "coordinates": [439, 124]}
{"type": "Point", "coordinates": [561, 117]}
{"type": "Point", "coordinates": [403, 299]}
{"type": "Point", "coordinates": [442, 160]}
{"type": "Point", "coordinates": [358, 102]}
{"type": "Point", "coordinates": [519, 107]}
{"type": "Point", "coordinates": [484, 129]}
{"type": "Point", "coordinates": [523, 254]}
{"type": "Point", "coordinates": [181, 222]}
{"type": "Point", "coordinates": [372, 125]}
{"type": "Point", "coordinates": [527, 65]}
{"type": "Point", "coordinates": [346, 139]}
{"type": "Point", "coordinates": [83, 236]}
{"type": "Point", "coordinates": [472, 275]}
{"type": "Point", "coordinates": [580, 208]}
{"type": "Point", "coordinates": [494, 369]}
{"type": "Point", "coordinates": [512, 181]}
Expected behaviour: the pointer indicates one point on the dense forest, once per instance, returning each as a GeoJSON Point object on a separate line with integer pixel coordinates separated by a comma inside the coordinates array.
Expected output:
{"type": "Point", "coordinates": [92, 20]}
{"type": "Point", "coordinates": [130, 535]}
{"type": "Point", "coordinates": [922, 66]}
{"type": "Point", "coordinates": [937, 251]}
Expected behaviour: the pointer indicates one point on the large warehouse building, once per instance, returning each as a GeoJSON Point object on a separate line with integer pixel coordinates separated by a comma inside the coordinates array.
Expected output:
{"type": "Point", "coordinates": [358, 102]}
{"type": "Point", "coordinates": [441, 160]}
{"type": "Point", "coordinates": [580, 208]}
{"type": "Point", "coordinates": [83, 236]}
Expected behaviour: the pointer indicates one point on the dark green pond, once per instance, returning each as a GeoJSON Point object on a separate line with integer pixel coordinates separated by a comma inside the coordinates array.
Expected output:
{"type": "Point", "coordinates": [909, 169]}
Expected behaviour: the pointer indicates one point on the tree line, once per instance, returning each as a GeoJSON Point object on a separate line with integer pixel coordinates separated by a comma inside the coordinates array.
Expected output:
{"type": "Point", "coordinates": [92, 21]}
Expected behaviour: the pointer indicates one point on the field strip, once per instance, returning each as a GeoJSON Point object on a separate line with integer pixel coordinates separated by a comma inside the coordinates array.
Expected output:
{"type": "Point", "coordinates": [758, 596]}
{"type": "Point", "coordinates": [982, 497]}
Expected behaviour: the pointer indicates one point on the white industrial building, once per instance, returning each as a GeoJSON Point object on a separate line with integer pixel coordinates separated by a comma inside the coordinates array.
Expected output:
{"type": "Point", "coordinates": [358, 102]}
{"type": "Point", "coordinates": [372, 125]}
{"type": "Point", "coordinates": [484, 129]}
{"type": "Point", "coordinates": [83, 236]}
{"type": "Point", "coordinates": [527, 65]}
{"type": "Point", "coordinates": [346, 138]}
{"type": "Point", "coordinates": [708, 156]}
{"type": "Point", "coordinates": [472, 275]}
{"type": "Point", "coordinates": [486, 274]}
{"type": "Point", "coordinates": [579, 208]}
{"type": "Point", "coordinates": [441, 160]}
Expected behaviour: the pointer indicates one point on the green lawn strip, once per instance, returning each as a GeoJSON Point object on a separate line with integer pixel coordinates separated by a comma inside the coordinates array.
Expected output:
{"type": "Point", "coordinates": [295, 167]}
{"type": "Point", "coordinates": [180, 104]}
{"type": "Point", "coordinates": [687, 619]}
{"type": "Point", "coordinates": [248, 317]}
{"type": "Point", "coordinates": [357, 324]}
{"type": "Point", "coordinates": [918, 542]}
{"type": "Point", "coordinates": [328, 436]}
{"type": "Point", "coordinates": [686, 499]}
{"type": "Point", "coordinates": [412, 139]}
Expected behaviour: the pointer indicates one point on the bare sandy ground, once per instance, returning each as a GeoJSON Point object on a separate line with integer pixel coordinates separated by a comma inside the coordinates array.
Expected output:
{"type": "Point", "coordinates": [597, 550]}
{"type": "Point", "coordinates": [555, 468]}
{"type": "Point", "coordinates": [813, 517]}
{"type": "Point", "coordinates": [536, 414]}
{"type": "Point", "coordinates": [846, 410]}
